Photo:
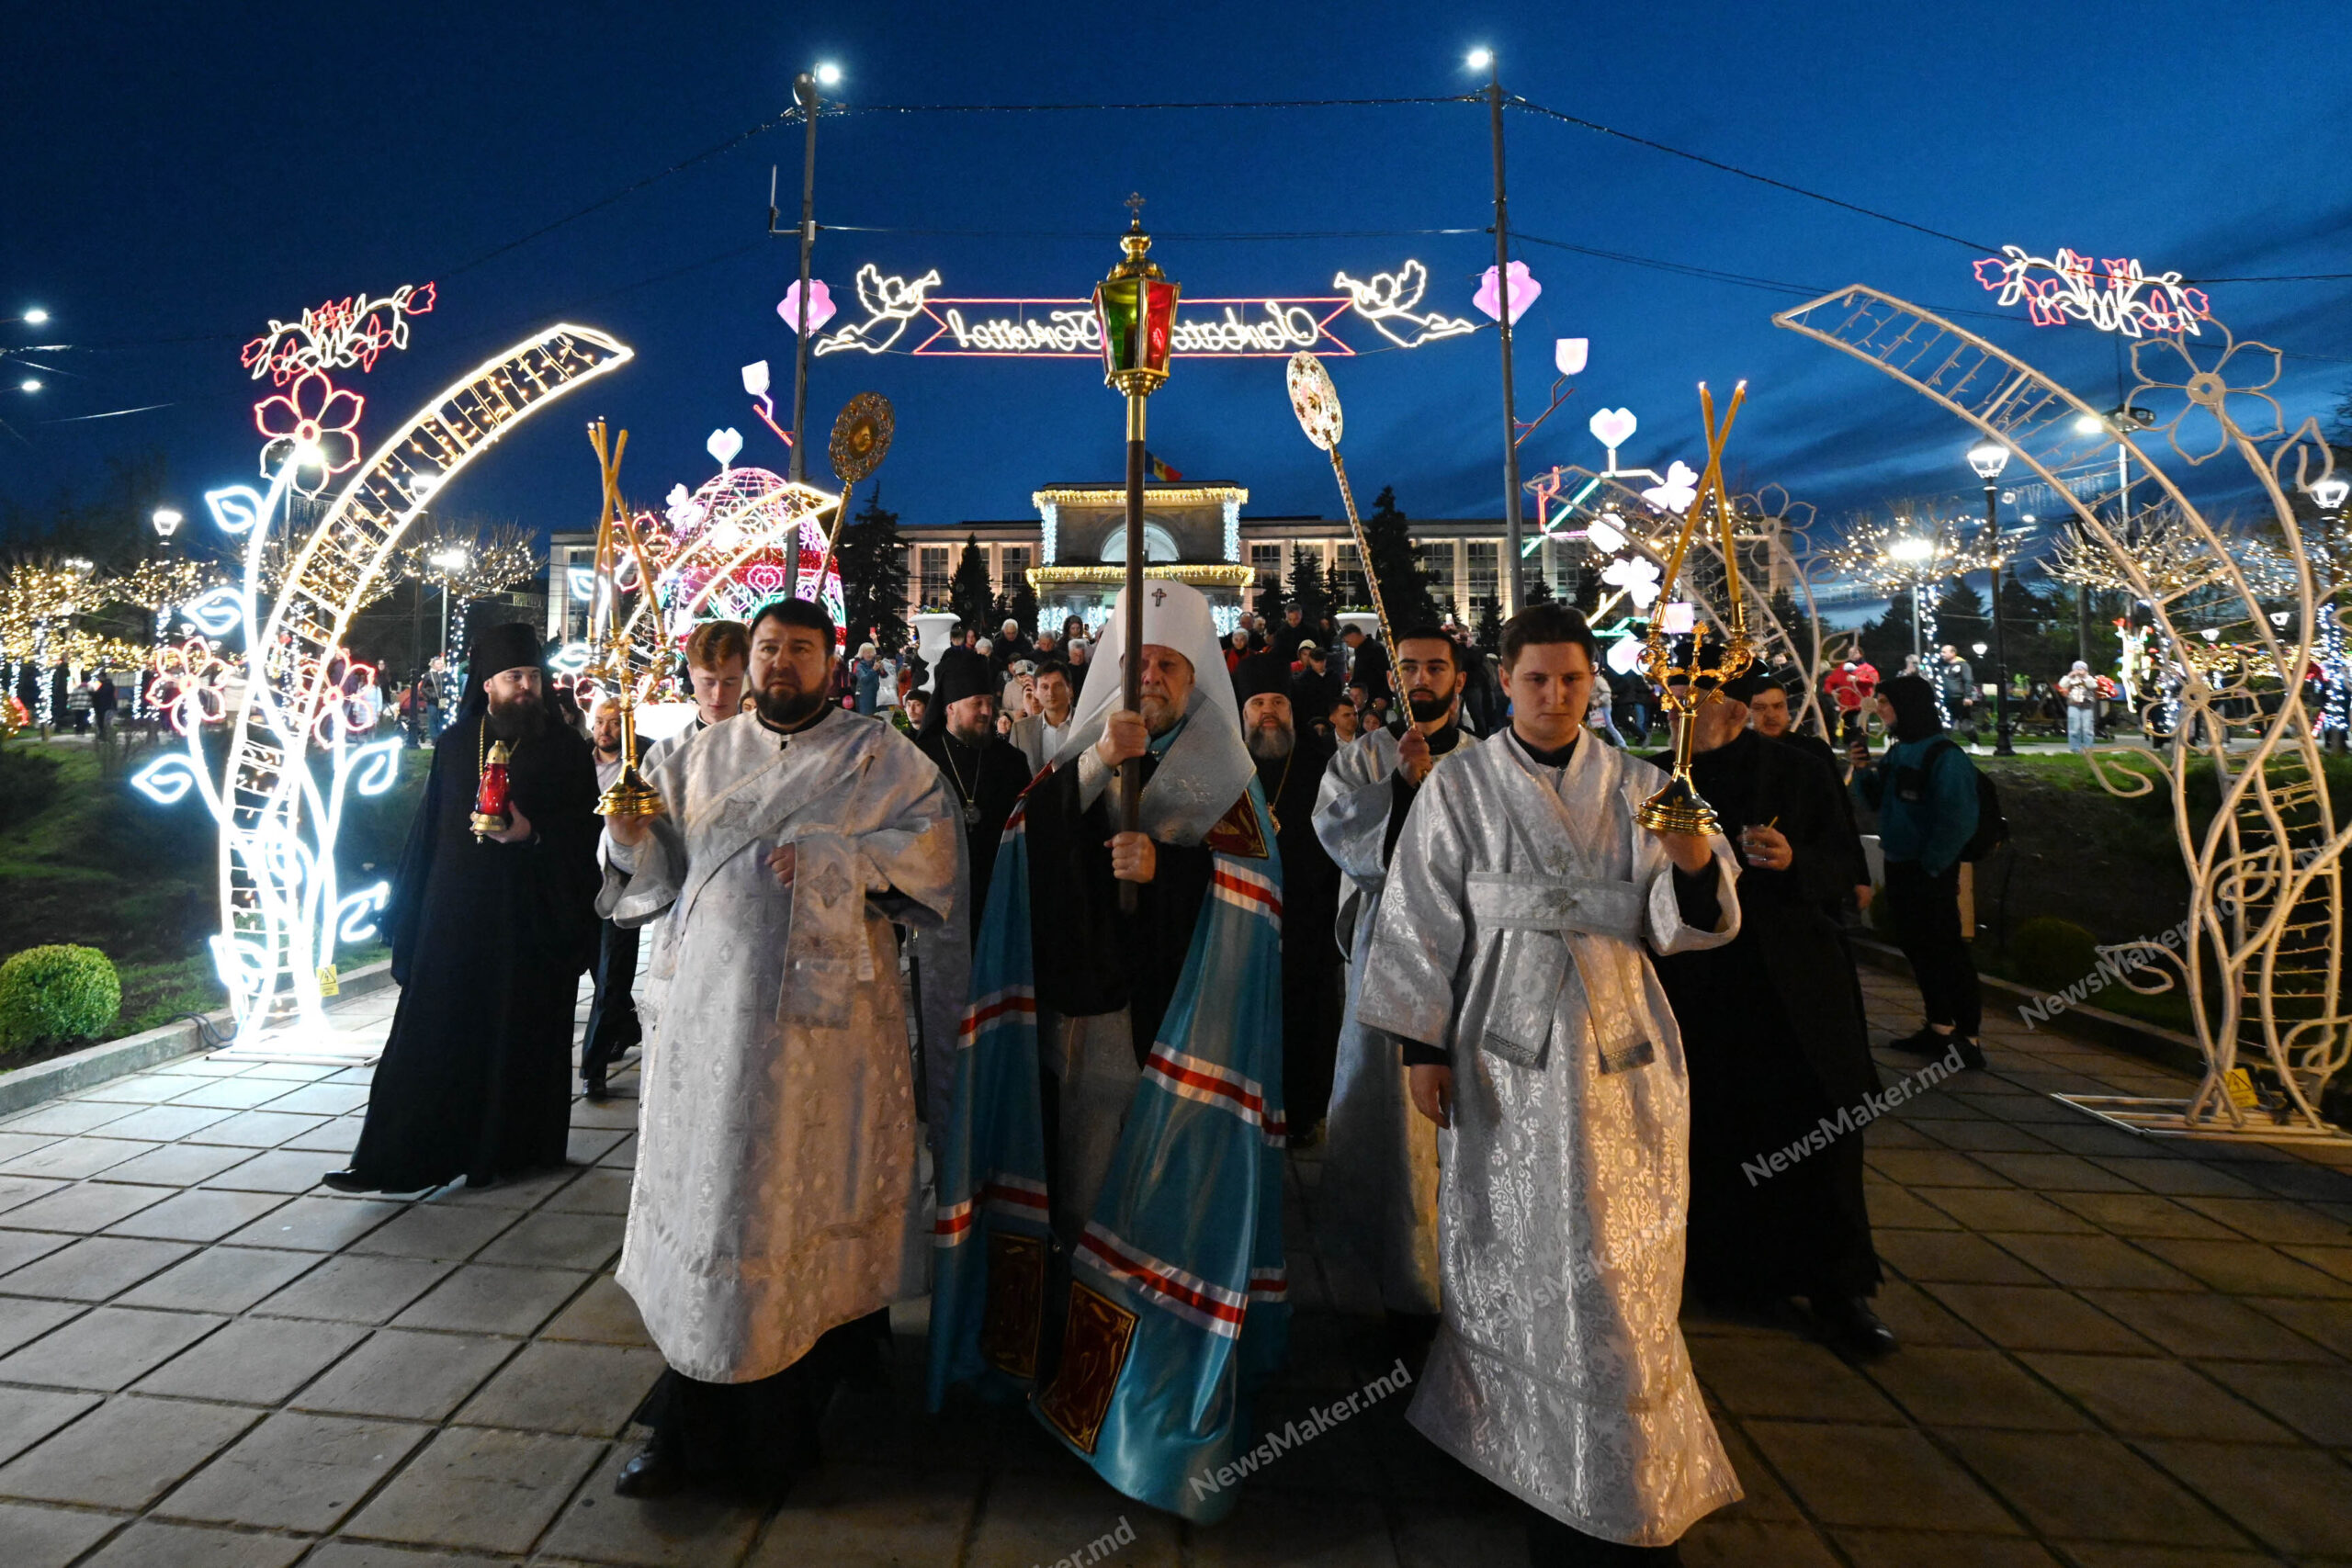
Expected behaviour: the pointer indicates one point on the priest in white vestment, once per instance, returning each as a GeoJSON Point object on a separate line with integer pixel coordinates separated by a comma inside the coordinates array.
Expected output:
{"type": "Point", "coordinates": [1511, 956]}
{"type": "Point", "coordinates": [778, 1211]}
{"type": "Point", "coordinates": [1379, 1158]}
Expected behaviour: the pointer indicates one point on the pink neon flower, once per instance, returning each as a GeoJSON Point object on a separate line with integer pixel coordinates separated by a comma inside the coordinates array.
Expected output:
{"type": "Point", "coordinates": [314, 424]}
{"type": "Point", "coordinates": [820, 304]}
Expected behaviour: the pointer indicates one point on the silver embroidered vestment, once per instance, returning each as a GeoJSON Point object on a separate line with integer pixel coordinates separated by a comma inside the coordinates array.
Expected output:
{"type": "Point", "coordinates": [1380, 1155]}
{"type": "Point", "coordinates": [777, 1180]}
{"type": "Point", "coordinates": [1511, 932]}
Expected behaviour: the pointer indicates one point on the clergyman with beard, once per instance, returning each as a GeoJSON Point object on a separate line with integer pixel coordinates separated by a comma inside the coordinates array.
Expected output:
{"type": "Point", "coordinates": [987, 772]}
{"type": "Point", "coordinates": [1291, 761]}
{"type": "Point", "coordinates": [490, 936]}
{"type": "Point", "coordinates": [776, 1211]}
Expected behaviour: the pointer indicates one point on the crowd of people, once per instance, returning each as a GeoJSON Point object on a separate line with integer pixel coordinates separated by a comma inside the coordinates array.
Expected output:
{"type": "Point", "coordinates": [1389, 902]}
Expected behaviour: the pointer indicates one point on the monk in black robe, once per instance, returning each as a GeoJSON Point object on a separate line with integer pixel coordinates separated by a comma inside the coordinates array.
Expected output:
{"type": "Point", "coordinates": [1291, 761]}
{"type": "Point", "coordinates": [1775, 1038]}
{"type": "Point", "coordinates": [987, 772]}
{"type": "Point", "coordinates": [489, 935]}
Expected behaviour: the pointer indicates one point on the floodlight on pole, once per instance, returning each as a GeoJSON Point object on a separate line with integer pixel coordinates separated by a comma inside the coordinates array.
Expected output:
{"type": "Point", "coordinates": [828, 74]}
{"type": "Point", "coordinates": [36, 315]}
{"type": "Point", "coordinates": [29, 384]}
{"type": "Point", "coordinates": [1911, 549]}
{"type": "Point", "coordinates": [166, 520]}
{"type": "Point", "coordinates": [2330, 491]}
{"type": "Point", "coordinates": [2088, 425]}
{"type": "Point", "coordinates": [1988, 459]}
{"type": "Point", "coordinates": [1480, 58]}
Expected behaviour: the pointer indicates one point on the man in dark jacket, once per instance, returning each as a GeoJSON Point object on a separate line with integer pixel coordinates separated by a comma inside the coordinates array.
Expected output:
{"type": "Point", "coordinates": [489, 933]}
{"type": "Point", "coordinates": [1773, 1032]}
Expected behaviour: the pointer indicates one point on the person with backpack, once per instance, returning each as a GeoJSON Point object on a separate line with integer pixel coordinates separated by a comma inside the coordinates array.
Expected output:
{"type": "Point", "coordinates": [1934, 811]}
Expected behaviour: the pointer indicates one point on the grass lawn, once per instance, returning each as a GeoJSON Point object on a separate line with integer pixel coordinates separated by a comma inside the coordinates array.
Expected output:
{"type": "Point", "coordinates": [87, 859]}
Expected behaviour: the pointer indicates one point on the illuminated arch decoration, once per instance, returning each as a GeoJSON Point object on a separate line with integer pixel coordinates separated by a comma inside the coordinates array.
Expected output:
{"type": "Point", "coordinates": [294, 704]}
{"type": "Point", "coordinates": [2262, 958]}
{"type": "Point", "coordinates": [2115, 295]}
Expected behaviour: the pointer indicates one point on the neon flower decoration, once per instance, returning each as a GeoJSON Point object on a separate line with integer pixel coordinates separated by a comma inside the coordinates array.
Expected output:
{"type": "Point", "coordinates": [1680, 489]}
{"type": "Point", "coordinates": [1607, 533]}
{"type": "Point", "coordinates": [1637, 575]}
{"type": "Point", "coordinates": [1523, 290]}
{"type": "Point", "coordinates": [313, 431]}
{"type": "Point", "coordinates": [2115, 296]}
{"type": "Point", "coordinates": [820, 304]}
{"type": "Point", "coordinates": [1569, 355]}
{"type": "Point", "coordinates": [298, 710]}
{"type": "Point", "coordinates": [336, 335]}
{"type": "Point", "coordinates": [724, 445]}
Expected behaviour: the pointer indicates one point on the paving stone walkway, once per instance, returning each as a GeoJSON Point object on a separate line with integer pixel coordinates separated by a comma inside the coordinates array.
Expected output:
{"type": "Point", "coordinates": [2120, 1353]}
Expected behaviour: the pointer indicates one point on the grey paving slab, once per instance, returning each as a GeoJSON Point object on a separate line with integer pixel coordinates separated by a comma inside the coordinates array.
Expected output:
{"type": "Point", "coordinates": [20, 1247]}
{"type": "Point", "coordinates": [558, 1241]}
{"type": "Point", "coordinates": [1881, 1476]}
{"type": "Point", "coordinates": [22, 1321]}
{"type": "Point", "coordinates": [84, 1208]}
{"type": "Point", "coordinates": [254, 1360]}
{"type": "Point", "coordinates": [140, 1089]}
{"type": "Point", "coordinates": [108, 1348]}
{"type": "Point", "coordinates": [598, 1192]}
{"type": "Point", "coordinates": [354, 1289]}
{"type": "Point", "coordinates": [490, 1298]}
{"type": "Point", "coordinates": [69, 1159]}
{"type": "Point", "coordinates": [2287, 1499]}
{"type": "Point", "coordinates": [512, 1192]}
{"type": "Point", "coordinates": [437, 1229]}
{"type": "Point", "coordinates": [2073, 1487]}
{"type": "Point", "coordinates": [200, 1214]}
{"type": "Point", "coordinates": [1938, 1385]}
{"type": "Point", "coordinates": [2315, 1400]}
{"type": "Point", "coordinates": [259, 1129]}
{"type": "Point", "coordinates": [340, 1553]}
{"type": "Point", "coordinates": [165, 1123]}
{"type": "Point", "coordinates": [316, 1225]}
{"type": "Point", "coordinates": [290, 1172]}
{"type": "Point", "coordinates": [28, 1415]}
{"type": "Point", "coordinates": [240, 1093]}
{"type": "Point", "coordinates": [414, 1376]}
{"type": "Point", "coordinates": [323, 1098]}
{"type": "Point", "coordinates": [51, 1538]}
{"type": "Point", "coordinates": [151, 1544]}
{"type": "Point", "coordinates": [1029, 1519]}
{"type": "Point", "coordinates": [339, 1136]}
{"type": "Point", "coordinates": [179, 1164]}
{"type": "Point", "coordinates": [61, 1117]}
{"type": "Point", "coordinates": [18, 1191]}
{"type": "Point", "coordinates": [477, 1489]}
{"type": "Point", "coordinates": [295, 1472]}
{"type": "Point", "coordinates": [587, 1390]}
{"type": "Point", "coordinates": [94, 1267]}
{"type": "Point", "coordinates": [126, 1453]}
{"type": "Point", "coordinates": [220, 1278]}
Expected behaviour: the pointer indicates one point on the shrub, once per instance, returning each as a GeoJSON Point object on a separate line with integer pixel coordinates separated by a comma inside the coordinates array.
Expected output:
{"type": "Point", "coordinates": [2052, 954]}
{"type": "Point", "coordinates": [60, 992]}
{"type": "Point", "coordinates": [27, 783]}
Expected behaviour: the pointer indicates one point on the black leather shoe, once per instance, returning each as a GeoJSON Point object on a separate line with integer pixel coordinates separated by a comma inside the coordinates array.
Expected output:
{"type": "Point", "coordinates": [597, 1091]}
{"type": "Point", "coordinates": [1972, 1055]}
{"type": "Point", "coordinates": [648, 1475]}
{"type": "Point", "coordinates": [348, 1181]}
{"type": "Point", "coordinates": [1853, 1327]}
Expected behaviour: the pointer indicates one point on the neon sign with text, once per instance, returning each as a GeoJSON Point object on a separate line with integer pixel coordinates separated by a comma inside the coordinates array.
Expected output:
{"type": "Point", "coordinates": [1233, 328]}
{"type": "Point", "coordinates": [2115, 296]}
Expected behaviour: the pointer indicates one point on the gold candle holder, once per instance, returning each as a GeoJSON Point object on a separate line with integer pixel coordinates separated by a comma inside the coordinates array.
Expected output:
{"type": "Point", "coordinates": [1679, 808]}
{"type": "Point", "coordinates": [629, 795]}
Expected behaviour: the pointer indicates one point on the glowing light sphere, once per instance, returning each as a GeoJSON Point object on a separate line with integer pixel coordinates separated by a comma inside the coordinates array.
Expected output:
{"type": "Point", "coordinates": [727, 556]}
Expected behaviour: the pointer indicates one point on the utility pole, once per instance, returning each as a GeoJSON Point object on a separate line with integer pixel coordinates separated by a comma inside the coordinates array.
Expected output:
{"type": "Point", "coordinates": [1512, 543]}
{"type": "Point", "coordinates": [804, 90]}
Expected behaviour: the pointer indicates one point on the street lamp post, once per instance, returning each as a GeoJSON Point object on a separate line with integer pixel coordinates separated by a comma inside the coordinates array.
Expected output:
{"type": "Point", "coordinates": [804, 91]}
{"type": "Point", "coordinates": [1484, 60]}
{"type": "Point", "coordinates": [1988, 459]}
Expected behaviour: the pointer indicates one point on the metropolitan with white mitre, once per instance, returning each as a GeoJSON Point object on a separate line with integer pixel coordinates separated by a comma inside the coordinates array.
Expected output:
{"type": "Point", "coordinates": [776, 1213]}
{"type": "Point", "coordinates": [1110, 1228]}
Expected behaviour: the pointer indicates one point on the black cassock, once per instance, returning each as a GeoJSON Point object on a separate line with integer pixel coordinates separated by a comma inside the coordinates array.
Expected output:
{"type": "Point", "coordinates": [987, 782]}
{"type": "Point", "coordinates": [1312, 995]}
{"type": "Point", "coordinates": [489, 942]}
{"type": "Point", "coordinates": [1772, 1029]}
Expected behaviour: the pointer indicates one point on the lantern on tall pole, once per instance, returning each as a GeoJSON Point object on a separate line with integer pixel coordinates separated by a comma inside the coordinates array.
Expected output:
{"type": "Point", "coordinates": [1136, 307]}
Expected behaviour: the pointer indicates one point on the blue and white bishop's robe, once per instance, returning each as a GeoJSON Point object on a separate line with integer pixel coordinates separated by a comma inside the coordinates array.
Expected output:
{"type": "Point", "coordinates": [1178, 1297]}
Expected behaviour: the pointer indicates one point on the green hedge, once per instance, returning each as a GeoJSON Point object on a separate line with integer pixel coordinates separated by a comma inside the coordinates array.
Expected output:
{"type": "Point", "coordinates": [60, 992]}
{"type": "Point", "coordinates": [2051, 953]}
